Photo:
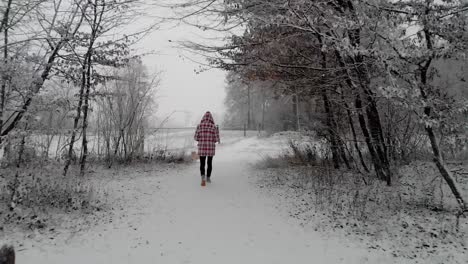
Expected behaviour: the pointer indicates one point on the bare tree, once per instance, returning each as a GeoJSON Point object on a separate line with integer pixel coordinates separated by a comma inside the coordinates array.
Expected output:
{"type": "Point", "coordinates": [93, 49]}
{"type": "Point", "coordinates": [124, 107]}
{"type": "Point", "coordinates": [59, 27]}
{"type": "Point", "coordinates": [440, 34]}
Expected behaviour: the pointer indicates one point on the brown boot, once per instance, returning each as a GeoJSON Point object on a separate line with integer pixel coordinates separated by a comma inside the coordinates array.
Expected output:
{"type": "Point", "coordinates": [203, 181]}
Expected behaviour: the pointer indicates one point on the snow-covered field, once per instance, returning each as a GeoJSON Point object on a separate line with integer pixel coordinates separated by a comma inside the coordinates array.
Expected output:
{"type": "Point", "coordinates": [161, 214]}
{"type": "Point", "coordinates": [172, 140]}
{"type": "Point", "coordinates": [176, 140]}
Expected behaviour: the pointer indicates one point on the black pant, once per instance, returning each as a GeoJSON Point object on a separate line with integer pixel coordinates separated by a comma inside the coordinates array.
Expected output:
{"type": "Point", "coordinates": [202, 165]}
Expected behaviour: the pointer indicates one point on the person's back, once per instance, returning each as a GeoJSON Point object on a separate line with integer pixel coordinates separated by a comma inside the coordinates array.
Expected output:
{"type": "Point", "coordinates": [207, 134]}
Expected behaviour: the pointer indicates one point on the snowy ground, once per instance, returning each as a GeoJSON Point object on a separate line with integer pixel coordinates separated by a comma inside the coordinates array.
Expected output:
{"type": "Point", "coordinates": [163, 215]}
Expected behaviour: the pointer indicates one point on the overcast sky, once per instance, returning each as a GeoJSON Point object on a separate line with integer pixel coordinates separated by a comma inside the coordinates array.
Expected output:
{"type": "Point", "coordinates": [182, 90]}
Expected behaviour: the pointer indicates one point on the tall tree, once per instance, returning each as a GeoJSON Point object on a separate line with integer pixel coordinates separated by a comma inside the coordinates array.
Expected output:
{"type": "Point", "coordinates": [95, 48]}
{"type": "Point", "coordinates": [371, 49]}
{"type": "Point", "coordinates": [58, 25]}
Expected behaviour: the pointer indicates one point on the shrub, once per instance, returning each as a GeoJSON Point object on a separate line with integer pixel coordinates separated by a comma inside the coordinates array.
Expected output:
{"type": "Point", "coordinates": [36, 190]}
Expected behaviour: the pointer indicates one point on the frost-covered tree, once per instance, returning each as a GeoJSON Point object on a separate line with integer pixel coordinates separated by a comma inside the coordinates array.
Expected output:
{"type": "Point", "coordinates": [421, 37]}
{"type": "Point", "coordinates": [375, 64]}
{"type": "Point", "coordinates": [123, 108]}
{"type": "Point", "coordinates": [28, 58]}
{"type": "Point", "coordinates": [92, 50]}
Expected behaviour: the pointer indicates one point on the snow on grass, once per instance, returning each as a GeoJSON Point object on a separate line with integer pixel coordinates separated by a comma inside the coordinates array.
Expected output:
{"type": "Point", "coordinates": [54, 223]}
{"type": "Point", "coordinates": [414, 220]}
{"type": "Point", "coordinates": [159, 213]}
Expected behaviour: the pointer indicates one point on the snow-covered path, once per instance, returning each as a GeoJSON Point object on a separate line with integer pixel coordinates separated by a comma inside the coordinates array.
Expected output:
{"type": "Point", "coordinates": [225, 222]}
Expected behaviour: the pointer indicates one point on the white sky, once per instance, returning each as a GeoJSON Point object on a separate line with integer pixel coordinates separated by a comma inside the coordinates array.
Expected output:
{"type": "Point", "coordinates": [182, 89]}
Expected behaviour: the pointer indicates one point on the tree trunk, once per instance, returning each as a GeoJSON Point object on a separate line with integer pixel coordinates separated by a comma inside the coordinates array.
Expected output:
{"type": "Point", "coordinates": [248, 107]}
{"type": "Point", "coordinates": [356, 145]}
{"type": "Point", "coordinates": [85, 89]}
{"type": "Point", "coordinates": [85, 114]}
{"type": "Point", "coordinates": [263, 114]}
{"type": "Point", "coordinates": [296, 109]}
{"type": "Point", "coordinates": [117, 142]}
{"type": "Point", "coordinates": [376, 132]}
{"type": "Point", "coordinates": [331, 130]}
{"type": "Point", "coordinates": [370, 146]}
{"type": "Point", "coordinates": [438, 159]}
{"type": "Point", "coordinates": [50, 135]}
{"type": "Point", "coordinates": [378, 149]}
{"type": "Point", "coordinates": [378, 167]}
{"type": "Point", "coordinates": [5, 78]}
{"type": "Point", "coordinates": [446, 174]}
{"type": "Point", "coordinates": [77, 118]}
{"type": "Point", "coordinates": [331, 124]}
{"type": "Point", "coordinates": [372, 113]}
{"type": "Point", "coordinates": [6, 17]}
{"type": "Point", "coordinates": [341, 150]}
{"type": "Point", "coordinates": [16, 182]}
{"type": "Point", "coordinates": [98, 135]}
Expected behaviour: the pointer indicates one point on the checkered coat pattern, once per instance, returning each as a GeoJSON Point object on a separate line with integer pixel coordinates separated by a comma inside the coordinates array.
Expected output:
{"type": "Point", "coordinates": [207, 135]}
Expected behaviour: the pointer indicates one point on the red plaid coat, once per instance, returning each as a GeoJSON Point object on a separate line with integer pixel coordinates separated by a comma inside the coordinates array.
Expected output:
{"type": "Point", "coordinates": [207, 135]}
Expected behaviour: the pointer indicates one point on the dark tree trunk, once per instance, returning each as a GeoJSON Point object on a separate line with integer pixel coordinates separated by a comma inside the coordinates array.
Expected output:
{"type": "Point", "coordinates": [370, 146]}
{"type": "Point", "coordinates": [5, 78]}
{"type": "Point", "coordinates": [331, 130]}
{"type": "Point", "coordinates": [374, 139]}
{"type": "Point", "coordinates": [77, 117]}
{"type": "Point", "coordinates": [372, 112]}
{"type": "Point", "coordinates": [376, 132]}
{"type": "Point", "coordinates": [16, 182]}
{"type": "Point", "coordinates": [85, 116]}
{"type": "Point", "coordinates": [356, 144]}
{"type": "Point", "coordinates": [248, 108]}
{"type": "Point", "coordinates": [295, 111]}
{"type": "Point", "coordinates": [263, 114]}
{"type": "Point", "coordinates": [446, 174]}
{"type": "Point", "coordinates": [341, 148]}
{"type": "Point", "coordinates": [379, 169]}
{"type": "Point", "coordinates": [331, 123]}
{"type": "Point", "coordinates": [438, 158]}
{"type": "Point", "coordinates": [117, 145]}
{"type": "Point", "coordinates": [6, 17]}
{"type": "Point", "coordinates": [83, 104]}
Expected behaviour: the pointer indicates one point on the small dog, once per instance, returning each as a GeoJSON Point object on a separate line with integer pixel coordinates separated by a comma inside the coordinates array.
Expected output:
{"type": "Point", "coordinates": [7, 255]}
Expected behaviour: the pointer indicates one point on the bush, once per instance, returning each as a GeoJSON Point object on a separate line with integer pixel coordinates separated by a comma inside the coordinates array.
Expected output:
{"type": "Point", "coordinates": [10, 157]}
{"type": "Point", "coordinates": [269, 162]}
{"type": "Point", "coordinates": [299, 152]}
{"type": "Point", "coordinates": [304, 153]}
{"type": "Point", "coordinates": [164, 155]}
{"type": "Point", "coordinates": [418, 197]}
{"type": "Point", "coordinates": [49, 190]}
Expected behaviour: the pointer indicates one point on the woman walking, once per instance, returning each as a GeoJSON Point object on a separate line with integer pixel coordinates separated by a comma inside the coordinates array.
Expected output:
{"type": "Point", "coordinates": [207, 134]}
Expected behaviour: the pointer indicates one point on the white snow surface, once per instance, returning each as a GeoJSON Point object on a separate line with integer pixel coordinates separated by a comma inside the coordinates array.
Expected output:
{"type": "Point", "coordinates": [174, 220]}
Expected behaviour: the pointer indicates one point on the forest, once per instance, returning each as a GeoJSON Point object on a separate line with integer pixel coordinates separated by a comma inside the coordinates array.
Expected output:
{"type": "Point", "coordinates": [351, 110]}
{"type": "Point", "coordinates": [383, 82]}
